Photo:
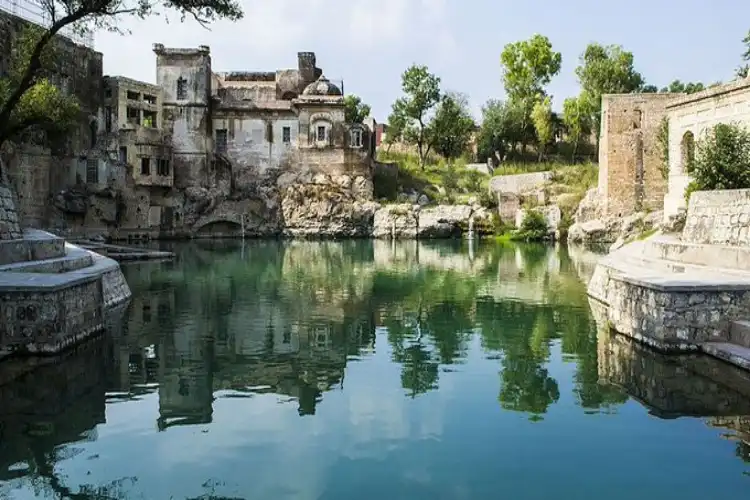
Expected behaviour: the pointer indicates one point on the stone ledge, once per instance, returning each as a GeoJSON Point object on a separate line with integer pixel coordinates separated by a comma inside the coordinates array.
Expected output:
{"type": "Point", "coordinates": [33, 246]}
{"type": "Point", "coordinates": [672, 249]}
{"type": "Point", "coordinates": [72, 261]}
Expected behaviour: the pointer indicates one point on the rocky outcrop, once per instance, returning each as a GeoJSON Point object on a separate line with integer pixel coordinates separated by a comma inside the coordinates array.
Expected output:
{"type": "Point", "coordinates": [441, 221]}
{"type": "Point", "coordinates": [612, 230]}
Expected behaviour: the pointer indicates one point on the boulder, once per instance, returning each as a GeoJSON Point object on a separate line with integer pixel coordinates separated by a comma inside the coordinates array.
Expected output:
{"type": "Point", "coordinates": [443, 221]}
{"type": "Point", "coordinates": [398, 221]}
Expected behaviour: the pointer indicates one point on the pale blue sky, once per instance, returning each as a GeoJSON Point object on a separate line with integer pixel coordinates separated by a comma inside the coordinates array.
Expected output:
{"type": "Point", "coordinates": [369, 43]}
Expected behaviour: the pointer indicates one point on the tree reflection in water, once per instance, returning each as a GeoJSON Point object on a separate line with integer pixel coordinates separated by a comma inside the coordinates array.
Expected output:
{"type": "Point", "coordinates": [287, 318]}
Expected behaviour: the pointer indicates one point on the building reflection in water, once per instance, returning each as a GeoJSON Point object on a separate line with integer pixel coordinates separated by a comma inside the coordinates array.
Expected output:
{"type": "Point", "coordinates": [680, 385]}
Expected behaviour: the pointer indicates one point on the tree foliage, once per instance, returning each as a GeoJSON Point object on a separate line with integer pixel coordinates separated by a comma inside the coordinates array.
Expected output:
{"type": "Point", "coordinates": [451, 128]}
{"type": "Point", "coordinates": [528, 66]}
{"type": "Point", "coordinates": [577, 119]}
{"type": "Point", "coordinates": [502, 128]}
{"type": "Point", "coordinates": [421, 94]}
{"type": "Point", "coordinates": [541, 117]}
{"type": "Point", "coordinates": [19, 111]}
{"type": "Point", "coordinates": [42, 107]}
{"type": "Point", "coordinates": [355, 111]}
{"type": "Point", "coordinates": [678, 87]}
{"type": "Point", "coordinates": [744, 68]}
{"type": "Point", "coordinates": [606, 70]}
{"type": "Point", "coordinates": [722, 158]}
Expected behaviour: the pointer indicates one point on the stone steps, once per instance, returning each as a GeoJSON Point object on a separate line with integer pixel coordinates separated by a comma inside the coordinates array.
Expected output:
{"type": "Point", "coordinates": [739, 333]}
{"type": "Point", "coordinates": [729, 352]}
{"type": "Point", "coordinates": [73, 261]}
{"type": "Point", "coordinates": [674, 250]}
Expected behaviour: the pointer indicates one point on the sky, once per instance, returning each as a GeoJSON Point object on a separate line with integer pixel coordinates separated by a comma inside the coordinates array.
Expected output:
{"type": "Point", "coordinates": [368, 43]}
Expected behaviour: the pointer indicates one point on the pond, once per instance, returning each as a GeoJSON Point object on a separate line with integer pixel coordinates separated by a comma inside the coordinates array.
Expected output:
{"type": "Point", "coordinates": [369, 370]}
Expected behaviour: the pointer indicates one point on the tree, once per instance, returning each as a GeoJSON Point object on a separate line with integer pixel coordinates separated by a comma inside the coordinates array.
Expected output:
{"type": "Point", "coordinates": [678, 87]}
{"type": "Point", "coordinates": [577, 119]}
{"type": "Point", "coordinates": [42, 107]}
{"type": "Point", "coordinates": [394, 131]}
{"type": "Point", "coordinates": [355, 111]}
{"type": "Point", "coordinates": [503, 126]}
{"type": "Point", "coordinates": [528, 66]}
{"type": "Point", "coordinates": [606, 70]}
{"type": "Point", "coordinates": [450, 130]}
{"type": "Point", "coordinates": [422, 93]}
{"type": "Point", "coordinates": [26, 95]}
{"type": "Point", "coordinates": [743, 70]}
{"type": "Point", "coordinates": [649, 89]}
{"type": "Point", "coordinates": [541, 117]}
{"type": "Point", "coordinates": [722, 159]}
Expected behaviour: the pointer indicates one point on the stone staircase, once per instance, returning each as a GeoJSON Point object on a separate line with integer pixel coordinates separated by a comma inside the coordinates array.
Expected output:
{"type": "Point", "coordinates": [53, 294]}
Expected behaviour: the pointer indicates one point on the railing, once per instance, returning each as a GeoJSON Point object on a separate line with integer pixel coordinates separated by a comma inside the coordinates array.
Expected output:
{"type": "Point", "coordinates": [33, 11]}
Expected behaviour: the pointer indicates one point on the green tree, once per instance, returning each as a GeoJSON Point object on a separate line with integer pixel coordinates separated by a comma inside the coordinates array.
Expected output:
{"type": "Point", "coordinates": [606, 70]}
{"type": "Point", "coordinates": [541, 117]}
{"type": "Point", "coordinates": [722, 159]}
{"type": "Point", "coordinates": [577, 119]}
{"type": "Point", "coordinates": [528, 66]}
{"type": "Point", "coordinates": [678, 87]}
{"type": "Point", "coordinates": [422, 94]}
{"type": "Point", "coordinates": [42, 107]}
{"type": "Point", "coordinates": [451, 128]}
{"type": "Point", "coordinates": [503, 127]}
{"type": "Point", "coordinates": [395, 126]}
{"type": "Point", "coordinates": [744, 68]}
{"type": "Point", "coordinates": [19, 111]}
{"type": "Point", "coordinates": [649, 89]}
{"type": "Point", "coordinates": [355, 111]}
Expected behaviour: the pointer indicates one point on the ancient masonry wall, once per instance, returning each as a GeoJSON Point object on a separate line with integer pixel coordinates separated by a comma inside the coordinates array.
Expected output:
{"type": "Point", "coordinates": [9, 229]}
{"type": "Point", "coordinates": [718, 217]}
{"type": "Point", "coordinates": [630, 178]}
{"type": "Point", "coordinates": [689, 118]}
{"type": "Point", "coordinates": [35, 171]}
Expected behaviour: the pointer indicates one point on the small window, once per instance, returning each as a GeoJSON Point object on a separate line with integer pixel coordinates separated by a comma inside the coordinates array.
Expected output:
{"type": "Point", "coordinates": [107, 92]}
{"type": "Point", "coordinates": [123, 154]}
{"type": "Point", "coordinates": [355, 138]}
{"type": "Point", "coordinates": [92, 171]}
{"type": "Point", "coordinates": [151, 99]}
{"type": "Point", "coordinates": [149, 119]}
{"type": "Point", "coordinates": [221, 141]}
{"type": "Point", "coordinates": [145, 165]}
{"type": "Point", "coordinates": [108, 119]}
{"type": "Point", "coordinates": [134, 116]}
{"type": "Point", "coordinates": [181, 89]}
{"type": "Point", "coordinates": [133, 96]}
{"type": "Point", "coordinates": [321, 133]}
{"type": "Point", "coordinates": [162, 167]}
{"type": "Point", "coordinates": [286, 135]}
{"type": "Point", "coordinates": [93, 129]}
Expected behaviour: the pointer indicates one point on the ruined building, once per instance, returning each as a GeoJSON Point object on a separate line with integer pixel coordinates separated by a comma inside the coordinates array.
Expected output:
{"type": "Point", "coordinates": [632, 176]}
{"type": "Point", "coordinates": [199, 153]}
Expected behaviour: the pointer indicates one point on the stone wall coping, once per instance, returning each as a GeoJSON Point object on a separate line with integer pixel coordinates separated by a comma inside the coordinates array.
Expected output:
{"type": "Point", "coordinates": [670, 284]}
{"type": "Point", "coordinates": [709, 93]}
{"type": "Point", "coordinates": [41, 282]}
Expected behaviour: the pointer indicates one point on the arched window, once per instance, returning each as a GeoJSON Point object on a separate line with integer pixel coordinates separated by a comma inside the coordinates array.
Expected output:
{"type": "Point", "coordinates": [687, 152]}
{"type": "Point", "coordinates": [181, 89]}
{"type": "Point", "coordinates": [320, 133]}
{"type": "Point", "coordinates": [355, 137]}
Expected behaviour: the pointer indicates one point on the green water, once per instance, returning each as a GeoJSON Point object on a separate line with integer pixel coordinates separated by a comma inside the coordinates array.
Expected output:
{"type": "Point", "coordinates": [369, 370]}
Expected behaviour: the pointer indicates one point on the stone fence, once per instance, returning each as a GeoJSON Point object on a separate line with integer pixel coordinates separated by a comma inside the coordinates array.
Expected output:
{"type": "Point", "coordinates": [718, 217]}
{"type": "Point", "coordinates": [519, 183]}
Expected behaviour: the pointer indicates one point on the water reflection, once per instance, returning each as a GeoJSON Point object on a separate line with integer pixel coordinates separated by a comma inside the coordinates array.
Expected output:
{"type": "Point", "coordinates": [243, 321]}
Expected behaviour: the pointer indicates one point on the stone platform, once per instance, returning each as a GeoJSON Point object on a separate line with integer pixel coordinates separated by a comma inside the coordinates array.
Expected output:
{"type": "Point", "coordinates": [53, 294]}
{"type": "Point", "coordinates": [688, 292]}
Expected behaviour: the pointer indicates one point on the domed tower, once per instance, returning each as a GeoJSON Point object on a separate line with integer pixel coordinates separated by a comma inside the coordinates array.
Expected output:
{"type": "Point", "coordinates": [321, 115]}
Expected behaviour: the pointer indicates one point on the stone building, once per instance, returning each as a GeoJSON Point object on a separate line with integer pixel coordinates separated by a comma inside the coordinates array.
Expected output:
{"type": "Point", "coordinates": [689, 118]}
{"type": "Point", "coordinates": [198, 153]}
{"type": "Point", "coordinates": [631, 173]}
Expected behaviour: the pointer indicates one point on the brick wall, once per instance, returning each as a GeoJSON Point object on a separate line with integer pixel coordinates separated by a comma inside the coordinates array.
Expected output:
{"type": "Point", "coordinates": [630, 178]}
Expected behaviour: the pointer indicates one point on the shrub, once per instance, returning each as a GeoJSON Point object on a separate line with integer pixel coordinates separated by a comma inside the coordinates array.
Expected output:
{"type": "Point", "coordinates": [722, 159]}
{"type": "Point", "coordinates": [693, 186]}
{"type": "Point", "coordinates": [533, 227]}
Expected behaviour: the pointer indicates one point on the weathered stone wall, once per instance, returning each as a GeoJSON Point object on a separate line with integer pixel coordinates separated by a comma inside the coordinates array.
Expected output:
{"type": "Point", "coordinates": [718, 217]}
{"type": "Point", "coordinates": [689, 118]}
{"type": "Point", "coordinates": [35, 171]}
{"type": "Point", "coordinates": [519, 183]}
{"type": "Point", "coordinates": [630, 178]}
{"type": "Point", "coordinates": [9, 229]}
